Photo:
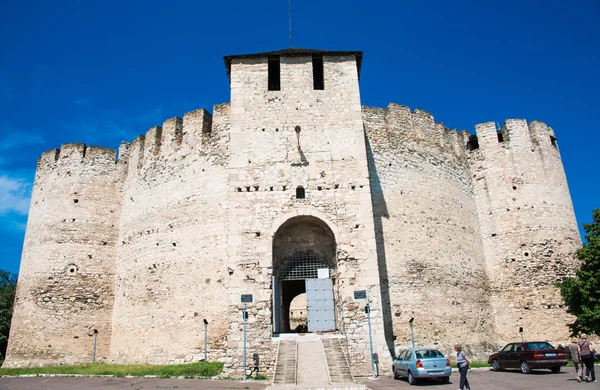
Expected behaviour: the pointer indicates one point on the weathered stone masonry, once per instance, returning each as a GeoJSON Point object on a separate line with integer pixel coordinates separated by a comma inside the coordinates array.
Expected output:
{"type": "Point", "coordinates": [465, 233]}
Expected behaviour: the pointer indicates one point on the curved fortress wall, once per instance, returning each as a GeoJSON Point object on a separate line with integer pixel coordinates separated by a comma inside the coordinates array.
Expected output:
{"type": "Point", "coordinates": [528, 226]}
{"type": "Point", "coordinates": [66, 279]}
{"type": "Point", "coordinates": [171, 271]}
{"type": "Point", "coordinates": [429, 244]}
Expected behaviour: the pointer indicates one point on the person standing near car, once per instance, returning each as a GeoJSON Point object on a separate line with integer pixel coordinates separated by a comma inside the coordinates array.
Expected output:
{"type": "Point", "coordinates": [587, 357]}
{"type": "Point", "coordinates": [462, 362]}
{"type": "Point", "coordinates": [576, 358]}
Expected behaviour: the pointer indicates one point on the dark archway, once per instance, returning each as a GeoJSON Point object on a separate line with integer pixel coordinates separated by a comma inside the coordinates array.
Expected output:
{"type": "Point", "coordinates": [301, 246]}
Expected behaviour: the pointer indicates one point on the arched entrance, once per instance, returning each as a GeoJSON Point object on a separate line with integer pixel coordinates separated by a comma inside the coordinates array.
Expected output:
{"type": "Point", "coordinates": [303, 262]}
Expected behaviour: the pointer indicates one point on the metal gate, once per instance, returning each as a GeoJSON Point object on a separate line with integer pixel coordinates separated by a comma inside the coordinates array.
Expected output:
{"type": "Point", "coordinates": [320, 305]}
{"type": "Point", "coordinates": [276, 305]}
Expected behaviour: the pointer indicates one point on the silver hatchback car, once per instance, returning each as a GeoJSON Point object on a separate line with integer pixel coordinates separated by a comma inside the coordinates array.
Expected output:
{"type": "Point", "coordinates": [419, 363]}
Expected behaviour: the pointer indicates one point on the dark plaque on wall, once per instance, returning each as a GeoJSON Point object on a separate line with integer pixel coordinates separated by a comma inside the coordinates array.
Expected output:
{"type": "Point", "coordinates": [360, 294]}
{"type": "Point", "coordinates": [246, 298]}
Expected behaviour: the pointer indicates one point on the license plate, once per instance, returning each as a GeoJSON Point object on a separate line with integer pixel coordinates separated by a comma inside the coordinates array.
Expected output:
{"type": "Point", "coordinates": [435, 372]}
{"type": "Point", "coordinates": [550, 354]}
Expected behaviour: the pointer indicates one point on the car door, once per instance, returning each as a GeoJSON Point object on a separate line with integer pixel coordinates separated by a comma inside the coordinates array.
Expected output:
{"type": "Point", "coordinates": [398, 363]}
{"type": "Point", "coordinates": [504, 356]}
{"type": "Point", "coordinates": [518, 354]}
{"type": "Point", "coordinates": [403, 363]}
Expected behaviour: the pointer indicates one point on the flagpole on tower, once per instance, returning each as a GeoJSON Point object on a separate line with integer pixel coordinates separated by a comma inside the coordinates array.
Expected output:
{"type": "Point", "coordinates": [290, 19]}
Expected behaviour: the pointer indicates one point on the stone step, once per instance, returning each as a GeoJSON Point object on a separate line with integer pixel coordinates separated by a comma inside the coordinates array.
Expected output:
{"type": "Point", "coordinates": [285, 368]}
{"type": "Point", "coordinates": [339, 371]}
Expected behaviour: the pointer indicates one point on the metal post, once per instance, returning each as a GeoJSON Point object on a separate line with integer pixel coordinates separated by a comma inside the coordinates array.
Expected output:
{"type": "Point", "coordinates": [205, 332]}
{"type": "Point", "coordinates": [244, 315]}
{"type": "Point", "coordinates": [368, 307]}
{"type": "Point", "coordinates": [521, 331]}
{"type": "Point", "coordinates": [95, 336]}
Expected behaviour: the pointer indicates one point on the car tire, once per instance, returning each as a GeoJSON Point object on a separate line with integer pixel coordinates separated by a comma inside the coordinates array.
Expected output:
{"type": "Point", "coordinates": [525, 369]}
{"type": "Point", "coordinates": [496, 366]}
{"type": "Point", "coordinates": [445, 379]}
{"type": "Point", "coordinates": [555, 370]}
{"type": "Point", "coordinates": [394, 372]}
{"type": "Point", "coordinates": [411, 379]}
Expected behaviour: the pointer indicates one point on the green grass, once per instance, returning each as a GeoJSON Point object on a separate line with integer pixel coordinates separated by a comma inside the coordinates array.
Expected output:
{"type": "Point", "coordinates": [192, 370]}
{"type": "Point", "coordinates": [474, 364]}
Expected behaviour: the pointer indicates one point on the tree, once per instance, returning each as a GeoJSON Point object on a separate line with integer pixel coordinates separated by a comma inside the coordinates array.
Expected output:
{"type": "Point", "coordinates": [582, 293]}
{"type": "Point", "coordinates": [8, 286]}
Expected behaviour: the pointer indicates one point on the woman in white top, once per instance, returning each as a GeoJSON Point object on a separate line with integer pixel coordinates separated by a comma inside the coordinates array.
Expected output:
{"type": "Point", "coordinates": [462, 362]}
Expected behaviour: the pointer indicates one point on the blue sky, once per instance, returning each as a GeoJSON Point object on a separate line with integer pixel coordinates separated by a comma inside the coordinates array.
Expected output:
{"type": "Point", "coordinates": [101, 72]}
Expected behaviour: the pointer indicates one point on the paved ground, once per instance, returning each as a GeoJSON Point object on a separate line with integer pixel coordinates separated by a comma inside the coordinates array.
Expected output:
{"type": "Point", "coordinates": [491, 380]}
{"type": "Point", "coordinates": [479, 379]}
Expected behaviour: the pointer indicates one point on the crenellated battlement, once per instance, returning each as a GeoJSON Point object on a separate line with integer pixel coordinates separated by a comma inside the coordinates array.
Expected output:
{"type": "Point", "coordinates": [75, 153]}
{"type": "Point", "coordinates": [397, 125]}
{"type": "Point", "coordinates": [178, 137]}
{"type": "Point", "coordinates": [515, 134]}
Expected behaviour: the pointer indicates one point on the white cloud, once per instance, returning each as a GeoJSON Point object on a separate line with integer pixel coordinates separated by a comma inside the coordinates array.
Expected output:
{"type": "Point", "coordinates": [16, 138]}
{"type": "Point", "coordinates": [15, 194]}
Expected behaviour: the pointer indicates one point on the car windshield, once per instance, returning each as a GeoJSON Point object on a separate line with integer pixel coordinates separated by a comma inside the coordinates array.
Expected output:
{"type": "Point", "coordinates": [428, 353]}
{"type": "Point", "coordinates": [540, 345]}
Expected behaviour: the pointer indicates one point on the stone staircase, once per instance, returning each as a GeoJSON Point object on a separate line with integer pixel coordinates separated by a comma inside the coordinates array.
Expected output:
{"type": "Point", "coordinates": [285, 366]}
{"type": "Point", "coordinates": [312, 362]}
{"type": "Point", "coordinates": [339, 371]}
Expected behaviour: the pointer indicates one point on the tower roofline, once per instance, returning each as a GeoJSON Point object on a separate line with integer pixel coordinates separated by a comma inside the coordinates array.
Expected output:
{"type": "Point", "coordinates": [295, 52]}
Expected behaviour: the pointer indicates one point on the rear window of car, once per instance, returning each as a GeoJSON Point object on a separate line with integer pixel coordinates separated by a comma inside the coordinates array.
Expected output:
{"type": "Point", "coordinates": [428, 353]}
{"type": "Point", "coordinates": [540, 345]}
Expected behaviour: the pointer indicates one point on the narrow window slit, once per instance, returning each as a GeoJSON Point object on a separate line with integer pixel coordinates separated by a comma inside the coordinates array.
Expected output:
{"type": "Point", "coordinates": [318, 76]}
{"type": "Point", "coordinates": [274, 74]}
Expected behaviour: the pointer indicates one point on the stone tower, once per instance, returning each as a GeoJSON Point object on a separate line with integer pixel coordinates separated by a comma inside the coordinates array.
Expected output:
{"type": "Point", "coordinates": [297, 146]}
{"type": "Point", "coordinates": [528, 225]}
{"type": "Point", "coordinates": [66, 281]}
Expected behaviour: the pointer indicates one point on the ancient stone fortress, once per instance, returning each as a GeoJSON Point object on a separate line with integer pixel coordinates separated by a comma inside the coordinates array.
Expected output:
{"type": "Point", "coordinates": [294, 187]}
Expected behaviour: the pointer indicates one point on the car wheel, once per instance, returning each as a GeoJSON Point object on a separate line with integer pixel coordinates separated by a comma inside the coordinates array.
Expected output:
{"type": "Point", "coordinates": [411, 379]}
{"type": "Point", "coordinates": [525, 369]}
{"type": "Point", "coordinates": [445, 379]}
{"type": "Point", "coordinates": [496, 366]}
{"type": "Point", "coordinates": [394, 372]}
{"type": "Point", "coordinates": [555, 370]}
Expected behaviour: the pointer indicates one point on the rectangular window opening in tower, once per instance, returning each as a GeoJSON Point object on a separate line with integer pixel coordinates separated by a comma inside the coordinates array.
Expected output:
{"type": "Point", "coordinates": [274, 74]}
{"type": "Point", "coordinates": [318, 77]}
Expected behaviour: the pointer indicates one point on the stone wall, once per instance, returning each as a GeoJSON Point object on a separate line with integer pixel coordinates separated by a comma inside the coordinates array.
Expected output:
{"type": "Point", "coordinates": [528, 227]}
{"type": "Point", "coordinates": [172, 270]}
{"type": "Point", "coordinates": [432, 263]}
{"type": "Point", "coordinates": [65, 287]}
